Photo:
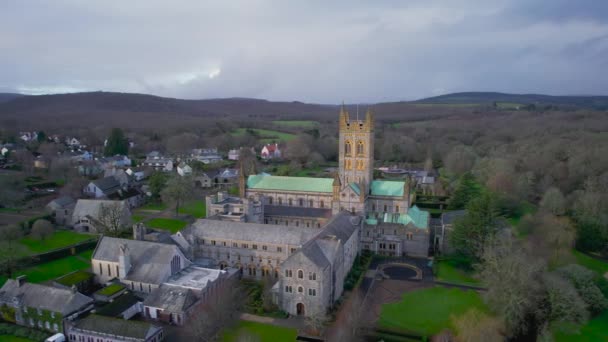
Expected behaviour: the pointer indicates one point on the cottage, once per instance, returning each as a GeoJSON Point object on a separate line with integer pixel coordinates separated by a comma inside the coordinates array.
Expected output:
{"type": "Point", "coordinates": [184, 169]}
{"type": "Point", "coordinates": [103, 187]}
{"type": "Point", "coordinates": [41, 306]}
{"type": "Point", "coordinates": [98, 216]}
{"type": "Point", "coordinates": [270, 151]}
{"type": "Point", "coordinates": [101, 328]}
{"type": "Point", "coordinates": [157, 162]}
{"type": "Point", "coordinates": [203, 180]}
{"type": "Point", "coordinates": [61, 209]}
{"type": "Point", "coordinates": [234, 154]}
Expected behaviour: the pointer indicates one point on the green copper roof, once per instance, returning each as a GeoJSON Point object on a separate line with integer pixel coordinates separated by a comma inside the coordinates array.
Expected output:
{"type": "Point", "coordinates": [262, 182]}
{"type": "Point", "coordinates": [371, 221]}
{"type": "Point", "coordinates": [355, 188]}
{"type": "Point", "coordinates": [387, 188]}
{"type": "Point", "coordinates": [415, 216]}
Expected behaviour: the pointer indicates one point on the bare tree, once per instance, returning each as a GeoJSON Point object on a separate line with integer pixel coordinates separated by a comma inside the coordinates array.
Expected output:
{"type": "Point", "coordinates": [475, 326]}
{"type": "Point", "coordinates": [42, 229]}
{"type": "Point", "coordinates": [553, 201]}
{"type": "Point", "coordinates": [112, 217]}
{"type": "Point", "coordinates": [26, 160]}
{"type": "Point", "coordinates": [182, 143]}
{"type": "Point", "coordinates": [552, 237]}
{"type": "Point", "coordinates": [316, 322]}
{"type": "Point", "coordinates": [177, 191]}
{"type": "Point", "coordinates": [73, 187]}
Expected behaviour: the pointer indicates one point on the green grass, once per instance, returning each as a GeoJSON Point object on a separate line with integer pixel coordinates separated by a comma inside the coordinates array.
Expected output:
{"type": "Point", "coordinates": [110, 290]}
{"type": "Point", "coordinates": [87, 255]}
{"type": "Point", "coordinates": [195, 208]}
{"type": "Point", "coordinates": [137, 218]}
{"type": "Point", "coordinates": [448, 271]}
{"type": "Point", "coordinates": [154, 206]}
{"type": "Point", "coordinates": [427, 312]}
{"type": "Point", "coordinates": [460, 105]}
{"type": "Point", "coordinates": [59, 239]}
{"type": "Point", "coordinates": [260, 332]}
{"type": "Point", "coordinates": [595, 330]}
{"type": "Point", "coordinates": [53, 269]}
{"type": "Point", "coordinates": [266, 135]}
{"type": "Point", "coordinates": [12, 338]}
{"type": "Point", "coordinates": [297, 123]}
{"type": "Point", "coordinates": [593, 264]}
{"type": "Point", "coordinates": [508, 105]}
{"type": "Point", "coordinates": [75, 278]}
{"type": "Point", "coordinates": [172, 225]}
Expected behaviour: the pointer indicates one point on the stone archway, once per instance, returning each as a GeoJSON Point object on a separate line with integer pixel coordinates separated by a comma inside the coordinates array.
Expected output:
{"type": "Point", "coordinates": [300, 311]}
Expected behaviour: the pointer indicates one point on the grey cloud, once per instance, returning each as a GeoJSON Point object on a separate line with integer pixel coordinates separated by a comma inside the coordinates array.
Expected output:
{"type": "Point", "coordinates": [315, 51]}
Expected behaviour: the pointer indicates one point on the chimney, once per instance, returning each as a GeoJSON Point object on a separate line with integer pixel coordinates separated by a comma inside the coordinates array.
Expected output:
{"type": "Point", "coordinates": [74, 289]}
{"type": "Point", "coordinates": [124, 261]}
{"type": "Point", "coordinates": [21, 280]}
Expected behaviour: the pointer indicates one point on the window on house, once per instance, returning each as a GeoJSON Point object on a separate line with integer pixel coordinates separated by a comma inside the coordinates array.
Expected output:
{"type": "Point", "coordinates": [300, 289]}
{"type": "Point", "coordinates": [312, 292]}
{"type": "Point", "coordinates": [293, 250]}
{"type": "Point", "coordinates": [269, 200]}
{"type": "Point", "coordinates": [224, 243]}
{"type": "Point", "coordinates": [109, 270]}
{"type": "Point", "coordinates": [100, 269]}
{"type": "Point", "coordinates": [279, 249]}
{"type": "Point", "coordinates": [297, 223]}
{"type": "Point", "coordinates": [234, 244]}
{"type": "Point", "coordinates": [312, 276]}
{"type": "Point", "coordinates": [290, 202]}
{"type": "Point", "coordinates": [396, 208]}
{"type": "Point", "coordinates": [300, 274]}
{"type": "Point", "coordinates": [264, 248]}
{"type": "Point", "coordinates": [322, 204]}
{"type": "Point", "coordinates": [310, 203]}
{"type": "Point", "coordinates": [385, 208]}
{"type": "Point", "coordinates": [373, 207]}
{"type": "Point", "coordinates": [255, 246]}
{"type": "Point", "coordinates": [280, 201]}
{"type": "Point", "coordinates": [347, 148]}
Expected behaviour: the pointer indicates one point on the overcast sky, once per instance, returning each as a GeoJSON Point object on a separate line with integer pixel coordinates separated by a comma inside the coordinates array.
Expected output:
{"type": "Point", "coordinates": [313, 51]}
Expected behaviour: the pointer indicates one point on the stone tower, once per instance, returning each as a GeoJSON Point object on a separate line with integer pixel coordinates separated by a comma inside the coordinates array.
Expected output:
{"type": "Point", "coordinates": [356, 145]}
{"type": "Point", "coordinates": [124, 260]}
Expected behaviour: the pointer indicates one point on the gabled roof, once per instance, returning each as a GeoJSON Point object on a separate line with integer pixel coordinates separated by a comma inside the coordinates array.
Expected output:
{"type": "Point", "coordinates": [387, 188]}
{"type": "Point", "coordinates": [272, 147]}
{"type": "Point", "coordinates": [304, 184]}
{"type": "Point", "coordinates": [254, 232]}
{"type": "Point", "coordinates": [62, 202]}
{"type": "Point", "coordinates": [116, 326]}
{"type": "Point", "coordinates": [107, 184]}
{"type": "Point", "coordinates": [355, 188]}
{"type": "Point", "coordinates": [148, 259]}
{"type": "Point", "coordinates": [60, 300]}
{"type": "Point", "coordinates": [92, 207]}
{"type": "Point", "coordinates": [419, 218]}
{"type": "Point", "coordinates": [280, 210]}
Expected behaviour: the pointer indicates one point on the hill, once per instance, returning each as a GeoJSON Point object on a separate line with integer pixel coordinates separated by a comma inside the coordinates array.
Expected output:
{"type": "Point", "coordinates": [8, 96]}
{"type": "Point", "coordinates": [596, 102]}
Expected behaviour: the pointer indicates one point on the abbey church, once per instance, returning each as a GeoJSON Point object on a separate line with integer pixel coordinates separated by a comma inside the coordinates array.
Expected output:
{"type": "Point", "coordinates": [305, 232]}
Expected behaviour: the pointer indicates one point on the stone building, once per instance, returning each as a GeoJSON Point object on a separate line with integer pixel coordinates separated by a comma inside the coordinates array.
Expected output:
{"type": "Point", "coordinates": [108, 329]}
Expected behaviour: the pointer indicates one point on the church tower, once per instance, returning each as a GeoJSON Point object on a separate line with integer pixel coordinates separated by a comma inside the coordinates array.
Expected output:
{"type": "Point", "coordinates": [356, 144]}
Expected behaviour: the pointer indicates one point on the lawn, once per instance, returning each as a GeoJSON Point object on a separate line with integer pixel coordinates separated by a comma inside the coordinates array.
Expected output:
{"type": "Point", "coordinates": [428, 311]}
{"type": "Point", "coordinates": [266, 135]}
{"type": "Point", "coordinates": [593, 264]}
{"type": "Point", "coordinates": [137, 218]}
{"type": "Point", "coordinates": [75, 278]}
{"type": "Point", "coordinates": [154, 206]}
{"type": "Point", "coordinates": [110, 290]}
{"type": "Point", "coordinates": [53, 269]}
{"type": "Point", "coordinates": [297, 123]}
{"type": "Point", "coordinates": [449, 271]}
{"type": "Point", "coordinates": [172, 225]}
{"type": "Point", "coordinates": [595, 330]}
{"type": "Point", "coordinates": [87, 255]}
{"type": "Point", "coordinates": [12, 338]}
{"type": "Point", "coordinates": [195, 208]}
{"type": "Point", "coordinates": [59, 239]}
{"type": "Point", "coordinates": [260, 332]}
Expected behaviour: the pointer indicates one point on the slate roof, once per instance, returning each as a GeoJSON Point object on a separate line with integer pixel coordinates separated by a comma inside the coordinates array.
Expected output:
{"type": "Point", "coordinates": [148, 259]}
{"type": "Point", "coordinates": [171, 298]}
{"type": "Point", "coordinates": [107, 184]}
{"type": "Point", "coordinates": [284, 183]}
{"type": "Point", "coordinates": [387, 188]}
{"type": "Point", "coordinates": [116, 326]}
{"type": "Point", "coordinates": [278, 210]}
{"type": "Point", "coordinates": [62, 202]}
{"type": "Point", "coordinates": [92, 207]}
{"type": "Point", "coordinates": [254, 232]}
{"type": "Point", "coordinates": [119, 305]}
{"type": "Point", "coordinates": [45, 297]}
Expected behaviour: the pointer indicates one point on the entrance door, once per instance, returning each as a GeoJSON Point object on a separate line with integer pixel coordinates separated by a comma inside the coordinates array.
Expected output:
{"type": "Point", "coordinates": [300, 309]}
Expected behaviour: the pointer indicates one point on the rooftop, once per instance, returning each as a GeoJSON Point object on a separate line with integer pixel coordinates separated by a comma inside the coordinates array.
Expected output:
{"type": "Point", "coordinates": [387, 188]}
{"type": "Point", "coordinates": [304, 184]}
{"type": "Point", "coordinates": [117, 327]}
{"type": "Point", "coordinates": [61, 300]}
{"type": "Point", "coordinates": [193, 277]}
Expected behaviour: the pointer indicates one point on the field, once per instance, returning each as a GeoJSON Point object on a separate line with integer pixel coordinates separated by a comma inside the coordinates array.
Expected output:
{"type": "Point", "coordinates": [259, 332]}
{"type": "Point", "coordinates": [427, 312]}
{"type": "Point", "coordinates": [297, 123]}
{"type": "Point", "coordinates": [595, 330]}
{"type": "Point", "coordinates": [172, 225]}
{"type": "Point", "coordinates": [266, 135]}
{"type": "Point", "coordinates": [59, 239]}
{"type": "Point", "coordinates": [448, 271]}
{"type": "Point", "coordinates": [591, 263]}
{"type": "Point", "coordinates": [153, 206]}
{"type": "Point", "coordinates": [196, 209]}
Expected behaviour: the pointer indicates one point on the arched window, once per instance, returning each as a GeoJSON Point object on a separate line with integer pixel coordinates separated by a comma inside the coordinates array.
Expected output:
{"type": "Point", "coordinates": [322, 204]}
{"type": "Point", "coordinates": [349, 165]}
{"type": "Point", "coordinates": [300, 289]}
{"type": "Point", "coordinates": [310, 203]}
{"type": "Point", "coordinates": [347, 148]}
{"type": "Point", "coordinates": [269, 200]}
{"type": "Point", "coordinates": [301, 202]}
{"type": "Point", "coordinates": [300, 274]}
{"type": "Point", "coordinates": [290, 202]}
{"type": "Point", "coordinates": [280, 201]}
{"type": "Point", "coordinates": [360, 148]}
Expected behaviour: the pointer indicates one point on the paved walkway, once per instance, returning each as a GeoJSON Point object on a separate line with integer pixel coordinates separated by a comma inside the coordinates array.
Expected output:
{"type": "Point", "coordinates": [292, 322]}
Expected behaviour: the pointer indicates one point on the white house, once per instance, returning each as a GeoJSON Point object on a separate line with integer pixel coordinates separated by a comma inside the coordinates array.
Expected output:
{"type": "Point", "coordinates": [184, 169]}
{"type": "Point", "coordinates": [73, 142]}
{"type": "Point", "coordinates": [103, 187]}
{"type": "Point", "coordinates": [96, 216]}
{"type": "Point", "coordinates": [270, 151]}
{"type": "Point", "coordinates": [234, 154]}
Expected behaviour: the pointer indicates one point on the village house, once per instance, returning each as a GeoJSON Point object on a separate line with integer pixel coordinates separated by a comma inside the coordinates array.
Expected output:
{"type": "Point", "coordinates": [61, 209]}
{"type": "Point", "coordinates": [206, 155]}
{"type": "Point", "coordinates": [97, 216]}
{"type": "Point", "coordinates": [98, 328]}
{"type": "Point", "coordinates": [184, 169]}
{"type": "Point", "coordinates": [270, 151]}
{"type": "Point", "coordinates": [116, 161]}
{"type": "Point", "coordinates": [89, 168]}
{"type": "Point", "coordinates": [157, 162]}
{"type": "Point", "coordinates": [102, 188]}
{"type": "Point", "coordinates": [203, 180]}
{"type": "Point", "coordinates": [226, 178]}
{"type": "Point", "coordinates": [133, 196]}
{"type": "Point", "coordinates": [41, 306]}
{"type": "Point", "coordinates": [234, 154]}
{"type": "Point", "coordinates": [139, 174]}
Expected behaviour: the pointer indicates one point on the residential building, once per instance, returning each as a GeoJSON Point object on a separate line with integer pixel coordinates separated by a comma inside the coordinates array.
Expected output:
{"type": "Point", "coordinates": [103, 187]}
{"type": "Point", "coordinates": [157, 162]}
{"type": "Point", "coordinates": [184, 169]}
{"type": "Point", "coordinates": [442, 233]}
{"type": "Point", "coordinates": [61, 209]}
{"type": "Point", "coordinates": [97, 328]}
{"type": "Point", "coordinates": [41, 306]}
{"type": "Point", "coordinates": [270, 151]}
{"type": "Point", "coordinates": [98, 216]}
{"type": "Point", "coordinates": [234, 154]}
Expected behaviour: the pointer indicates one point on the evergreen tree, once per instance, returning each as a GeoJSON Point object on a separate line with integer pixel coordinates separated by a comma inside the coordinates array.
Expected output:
{"type": "Point", "coordinates": [466, 190]}
{"type": "Point", "coordinates": [117, 143]}
{"type": "Point", "coordinates": [41, 137]}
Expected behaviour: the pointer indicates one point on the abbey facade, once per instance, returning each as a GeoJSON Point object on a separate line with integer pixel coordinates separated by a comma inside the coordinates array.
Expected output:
{"type": "Point", "coordinates": [304, 233]}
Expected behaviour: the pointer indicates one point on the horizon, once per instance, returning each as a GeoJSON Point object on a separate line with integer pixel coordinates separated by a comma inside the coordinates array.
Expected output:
{"type": "Point", "coordinates": [309, 52]}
